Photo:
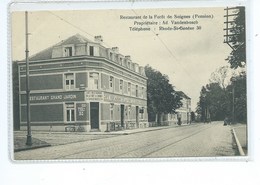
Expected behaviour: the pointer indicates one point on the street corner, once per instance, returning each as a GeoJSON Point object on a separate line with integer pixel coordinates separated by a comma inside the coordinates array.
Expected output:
{"type": "Point", "coordinates": [20, 144]}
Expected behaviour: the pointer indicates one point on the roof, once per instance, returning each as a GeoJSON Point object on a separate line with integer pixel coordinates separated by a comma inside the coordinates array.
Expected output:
{"type": "Point", "coordinates": [47, 53]}
{"type": "Point", "coordinates": [182, 94]}
{"type": "Point", "coordinates": [44, 54]}
{"type": "Point", "coordinates": [75, 39]}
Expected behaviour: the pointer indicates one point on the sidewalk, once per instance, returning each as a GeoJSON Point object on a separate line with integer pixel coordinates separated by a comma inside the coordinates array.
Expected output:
{"type": "Point", "coordinates": [240, 134]}
{"type": "Point", "coordinates": [20, 144]}
{"type": "Point", "coordinates": [138, 130]}
{"type": "Point", "coordinates": [45, 138]}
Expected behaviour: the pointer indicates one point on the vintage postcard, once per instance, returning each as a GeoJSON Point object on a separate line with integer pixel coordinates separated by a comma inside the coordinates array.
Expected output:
{"type": "Point", "coordinates": [129, 83]}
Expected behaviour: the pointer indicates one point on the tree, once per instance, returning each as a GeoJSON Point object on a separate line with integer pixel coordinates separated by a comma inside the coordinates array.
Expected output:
{"type": "Point", "coordinates": [220, 76]}
{"type": "Point", "coordinates": [237, 38]}
{"type": "Point", "coordinates": [212, 104]}
{"type": "Point", "coordinates": [161, 97]}
{"type": "Point", "coordinates": [219, 102]}
{"type": "Point", "coordinates": [237, 88]}
{"type": "Point", "coordinates": [201, 106]}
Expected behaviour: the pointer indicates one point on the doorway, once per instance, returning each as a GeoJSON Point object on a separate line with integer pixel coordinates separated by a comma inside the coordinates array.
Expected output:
{"type": "Point", "coordinates": [94, 115]}
{"type": "Point", "coordinates": [137, 116]}
{"type": "Point", "coordinates": [122, 110]}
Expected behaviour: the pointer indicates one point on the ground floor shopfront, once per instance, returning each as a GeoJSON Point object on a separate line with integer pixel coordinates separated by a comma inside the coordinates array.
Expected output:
{"type": "Point", "coordinates": [87, 110]}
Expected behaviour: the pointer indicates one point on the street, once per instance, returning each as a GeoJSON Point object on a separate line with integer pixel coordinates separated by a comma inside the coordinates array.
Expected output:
{"type": "Point", "coordinates": [196, 140]}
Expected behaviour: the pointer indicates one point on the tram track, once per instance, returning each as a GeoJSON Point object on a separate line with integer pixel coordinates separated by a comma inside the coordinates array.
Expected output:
{"type": "Point", "coordinates": [161, 145]}
{"type": "Point", "coordinates": [121, 144]}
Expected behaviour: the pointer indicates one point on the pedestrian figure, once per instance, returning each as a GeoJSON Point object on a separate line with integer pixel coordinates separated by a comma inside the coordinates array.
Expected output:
{"type": "Point", "coordinates": [226, 121]}
{"type": "Point", "coordinates": [179, 119]}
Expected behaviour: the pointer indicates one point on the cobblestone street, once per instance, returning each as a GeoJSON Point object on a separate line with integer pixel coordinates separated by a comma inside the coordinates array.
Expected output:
{"type": "Point", "coordinates": [197, 140]}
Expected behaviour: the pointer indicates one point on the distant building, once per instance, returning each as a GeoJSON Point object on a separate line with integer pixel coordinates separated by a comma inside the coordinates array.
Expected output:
{"type": "Point", "coordinates": [182, 114]}
{"type": "Point", "coordinates": [79, 82]}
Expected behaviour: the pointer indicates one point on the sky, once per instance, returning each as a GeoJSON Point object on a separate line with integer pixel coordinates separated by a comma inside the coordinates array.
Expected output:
{"type": "Point", "coordinates": [187, 57]}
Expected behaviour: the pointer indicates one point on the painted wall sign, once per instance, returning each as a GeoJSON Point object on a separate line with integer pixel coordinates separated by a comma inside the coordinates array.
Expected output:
{"type": "Point", "coordinates": [81, 111]}
{"type": "Point", "coordinates": [109, 97]}
{"type": "Point", "coordinates": [94, 95]}
{"type": "Point", "coordinates": [54, 97]}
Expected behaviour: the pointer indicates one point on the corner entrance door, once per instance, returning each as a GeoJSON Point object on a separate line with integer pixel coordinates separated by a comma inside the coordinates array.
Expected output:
{"type": "Point", "coordinates": [122, 115]}
{"type": "Point", "coordinates": [94, 115]}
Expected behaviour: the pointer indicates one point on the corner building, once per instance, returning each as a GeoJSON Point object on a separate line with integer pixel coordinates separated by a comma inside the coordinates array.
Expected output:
{"type": "Point", "coordinates": [80, 83]}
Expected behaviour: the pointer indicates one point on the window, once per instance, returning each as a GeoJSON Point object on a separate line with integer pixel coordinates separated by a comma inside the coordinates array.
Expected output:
{"type": "Point", "coordinates": [129, 88]}
{"type": "Point", "coordinates": [69, 81]}
{"type": "Point", "coordinates": [93, 80]}
{"type": "Point", "coordinates": [142, 92]}
{"type": "Point", "coordinates": [111, 83]}
{"type": "Point", "coordinates": [70, 112]}
{"type": "Point", "coordinates": [141, 113]}
{"type": "Point", "coordinates": [137, 69]}
{"type": "Point", "coordinates": [136, 90]}
{"type": "Point", "coordinates": [121, 82]}
{"type": "Point", "coordinates": [91, 50]}
{"type": "Point", "coordinates": [111, 111]}
{"type": "Point", "coordinates": [68, 51]}
{"type": "Point", "coordinates": [129, 112]}
{"type": "Point", "coordinates": [120, 61]}
{"type": "Point", "coordinates": [111, 56]}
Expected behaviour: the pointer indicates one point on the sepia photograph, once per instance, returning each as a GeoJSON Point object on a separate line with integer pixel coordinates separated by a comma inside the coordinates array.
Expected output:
{"type": "Point", "coordinates": [129, 83]}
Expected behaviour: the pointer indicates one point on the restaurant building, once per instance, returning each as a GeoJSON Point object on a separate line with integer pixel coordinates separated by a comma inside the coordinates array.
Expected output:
{"type": "Point", "coordinates": [79, 83]}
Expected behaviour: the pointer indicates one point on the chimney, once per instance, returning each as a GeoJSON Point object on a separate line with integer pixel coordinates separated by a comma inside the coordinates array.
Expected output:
{"type": "Point", "coordinates": [141, 70]}
{"type": "Point", "coordinates": [99, 39]}
{"type": "Point", "coordinates": [136, 67]}
{"type": "Point", "coordinates": [115, 49]}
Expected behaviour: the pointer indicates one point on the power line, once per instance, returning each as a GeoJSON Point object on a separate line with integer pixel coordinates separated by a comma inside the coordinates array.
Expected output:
{"type": "Point", "coordinates": [77, 27]}
{"type": "Point", "coordinates": [165, 45]}
{"type": "Point", "coordinates": [70, 24]}
{"type": "Point", "coordinates": [157, 35]}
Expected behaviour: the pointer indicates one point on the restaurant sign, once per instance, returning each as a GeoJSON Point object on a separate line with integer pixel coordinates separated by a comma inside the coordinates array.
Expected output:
{"type": "Point", "coordinates": [54, 97]}
{"type": "Point", "coordinates": [94, 95]}
{"type": "Point", "coordinates": [109, 97]}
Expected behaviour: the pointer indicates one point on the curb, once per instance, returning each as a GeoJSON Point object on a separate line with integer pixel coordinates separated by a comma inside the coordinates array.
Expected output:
{"type": "Point", "coordinates": [115, 132]}
{"type": "Point", "coordinates": [31, 148]}
{"type": "Point", "coordinates": [240, 149]}
{"type": "Point", "coordinates": [135, 131]}
{"type": "Point", "coordinates": [140, 131]}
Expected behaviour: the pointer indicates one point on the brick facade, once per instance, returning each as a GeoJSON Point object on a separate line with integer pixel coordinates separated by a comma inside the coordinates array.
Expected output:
{"type": "Point", "coordinates": [80, 82]}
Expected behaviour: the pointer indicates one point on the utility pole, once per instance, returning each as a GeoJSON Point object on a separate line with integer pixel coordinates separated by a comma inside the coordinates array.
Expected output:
{"type": "Point", "coordinates": [29, 134]}
{"type": "Point", "coordinates": [230, 35]}
{"type": "Point", "coordinates": [231, 13]}
{"type": "Point", "coordinates": [233, 100]}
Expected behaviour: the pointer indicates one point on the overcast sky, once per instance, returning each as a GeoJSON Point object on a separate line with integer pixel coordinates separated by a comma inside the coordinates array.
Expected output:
{"type": "Point", "coordinates": [187, 57]}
